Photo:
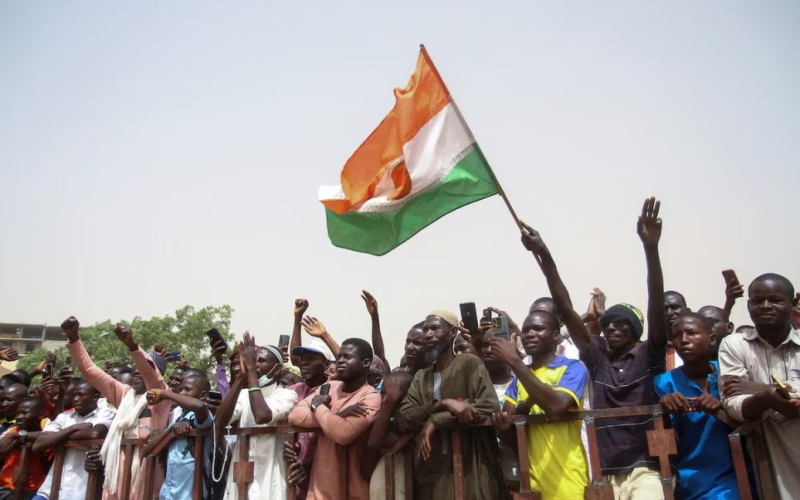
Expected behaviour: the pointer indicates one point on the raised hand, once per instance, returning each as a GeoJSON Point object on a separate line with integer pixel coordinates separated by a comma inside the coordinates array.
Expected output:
{"type": "Point", "coordinates": [314, 327]}
{"type": "Point", "coordinates": [48, 359]}
{"type": "Point", "coordinates": [599, 302]}
{"type": "Point", "coordinates": [300, 307]}
{"type": "Point", "coordinates": [218, 350]}
{"type": "Point", "coordinates": [370, 302]}
{"type": "Point", "coordinates": [733, 291]}
{"type": "Point", "coordinates": [8, 353]}
{"type": "Point", "coordinates": [503, 350]}
{"type": "Point", "coordinates": [125, 335]}
{"type": "Point", "coordinates": [532, 240]}
{"type": "Point", "coordinates": [70, 326]}
{"type": "Point", "coordinates": [649, 225]}
{"type": "Point", "coordinates": [249, 354]}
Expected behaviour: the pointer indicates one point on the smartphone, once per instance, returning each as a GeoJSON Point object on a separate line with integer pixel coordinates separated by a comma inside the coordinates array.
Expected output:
{"type": "Point", "coordinates": [469, 315]}
{"type": "Point", "coordinates": [323, 391]}
{"type": "Point", "coordinates": [48, 371]}
{"type": "Point", "coordinates": [500, 327]}
{"type": "Point", "coordinates": [175, 355]}
{"type": "Point", "coordinates": [68, 361]}
{"type": "Point", "coordinates": [782, 389]}
{"type": "Point", "coordinates": [283, 341]}
{"type": "Point", "coordinates": [730, 276]}
{"type": "Point", "coordinates": [216, 335]}
{"type": "Point", "coordinates": [215, 395]}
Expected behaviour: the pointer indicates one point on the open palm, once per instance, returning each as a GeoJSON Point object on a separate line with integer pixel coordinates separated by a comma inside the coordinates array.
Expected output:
{"type": "Point", "coordinates": [649, 227]}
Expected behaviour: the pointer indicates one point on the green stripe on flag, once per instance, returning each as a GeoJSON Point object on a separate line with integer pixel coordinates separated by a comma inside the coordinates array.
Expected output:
{"type": "Point", "coordinates": [378, 233]}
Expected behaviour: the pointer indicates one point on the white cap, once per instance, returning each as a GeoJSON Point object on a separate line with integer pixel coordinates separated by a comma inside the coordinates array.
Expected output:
{"type": "Point", "coordinates": [315, 345]}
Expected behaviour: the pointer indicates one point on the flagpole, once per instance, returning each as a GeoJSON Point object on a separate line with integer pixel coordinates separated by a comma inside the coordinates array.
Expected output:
{"type": "Point", "coordinates": [500, 190]}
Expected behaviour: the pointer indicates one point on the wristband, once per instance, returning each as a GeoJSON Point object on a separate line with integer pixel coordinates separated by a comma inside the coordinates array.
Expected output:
{"type": "Point", "coordinates": [254, 389]}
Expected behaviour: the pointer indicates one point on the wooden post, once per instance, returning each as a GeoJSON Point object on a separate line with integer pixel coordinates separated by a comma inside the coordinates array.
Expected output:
{"type": "Point", "coordinates": [388, 471]}
{"type": "Point", "coordinates": [92, 485]}
{"type": "Point", "coordinates": [61, 452]}
{"type": "Point", "coordinates": [525, 490]}
{"type": "Point", "coordinates": [243, 468]}
{"type": "Point", "coordinates": [409, 458]}
{"type": "Point", "coordinates": [291, 489]}
{"type": "Point", "coordinates": [598, 490]}
{"type": "Point", "coordinates": [766, 480]}
{"type": "Point", "coordinates": [458, 465]}
{"type": "Point", "coordinates": [149, 477]}
{"type": "Point", "coordinates": [661, 444]}
{"type": "Point", "coordinates": [197, 484]}
{"type": "Point", "coordinates": [737, 454]}
{"type": "Point", "coordinates": [127, 464]}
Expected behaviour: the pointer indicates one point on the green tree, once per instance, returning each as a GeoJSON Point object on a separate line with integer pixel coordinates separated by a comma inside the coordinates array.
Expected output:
{"type": "Point", "coordinates": [33, 358]}
{"type": "Point", "coordinates": [185, 331]}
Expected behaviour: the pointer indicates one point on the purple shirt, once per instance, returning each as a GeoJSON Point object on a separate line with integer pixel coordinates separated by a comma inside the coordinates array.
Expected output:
{"type": "Point", "coordinates": [619, 382]}
{"type": "Point", "coordinates": [222, 380]}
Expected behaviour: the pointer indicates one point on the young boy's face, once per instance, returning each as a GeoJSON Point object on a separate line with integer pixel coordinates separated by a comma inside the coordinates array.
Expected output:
{"type": "Point", "coordinates": [191, 386]}
{"type": "Point", "coordinates": [692, 339]}
{"type": "Point", "coordinates": [29, 416]}
{"type": "Point", "coordinates": [84, 399]}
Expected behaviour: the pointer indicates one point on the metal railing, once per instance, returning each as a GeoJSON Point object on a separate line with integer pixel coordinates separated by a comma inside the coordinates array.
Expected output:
{"type": "Point", "coordinates": [661, 444]}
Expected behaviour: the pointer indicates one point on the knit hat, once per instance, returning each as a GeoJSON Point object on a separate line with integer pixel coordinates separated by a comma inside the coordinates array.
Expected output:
{"type": "Point", "coordinates": [630, 314]}
{"type": "Point", "coordinates": [448, 316]}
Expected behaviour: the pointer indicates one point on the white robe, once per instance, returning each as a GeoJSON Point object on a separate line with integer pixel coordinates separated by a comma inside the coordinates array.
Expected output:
{"type": "Point", "coordinates": [269, 475]}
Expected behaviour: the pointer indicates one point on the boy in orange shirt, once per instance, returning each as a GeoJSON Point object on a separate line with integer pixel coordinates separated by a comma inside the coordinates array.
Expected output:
{"type": "Point", "coordinates": [29, 425]}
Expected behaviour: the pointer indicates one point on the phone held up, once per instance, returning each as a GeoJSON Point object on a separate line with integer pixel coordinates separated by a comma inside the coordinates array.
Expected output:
{"type": "Point", "coordinates": [469, 316]}
{"type": "Point", "coordinates": [48, 371]}
{"type": "Point", "coordinates": [499, 327]}
{"type": "Point", "coordinates": [216, 336]}
{"type": "Point", "coordinates": [215, 395]}
{"type": "Point", "coordinates": [730, 276]}
{"type": "Point", "coordinates": [283, 341]}
{"type": "Point", "coordinates": [325, 389]}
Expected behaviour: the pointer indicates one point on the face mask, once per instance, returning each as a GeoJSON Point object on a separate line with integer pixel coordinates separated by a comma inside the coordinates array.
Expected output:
{"type": "Point", "coordinates": [265, 380]}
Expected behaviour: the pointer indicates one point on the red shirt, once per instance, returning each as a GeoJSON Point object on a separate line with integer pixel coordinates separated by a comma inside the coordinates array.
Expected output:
{"type": "Point", "coordinates": [37, 465]}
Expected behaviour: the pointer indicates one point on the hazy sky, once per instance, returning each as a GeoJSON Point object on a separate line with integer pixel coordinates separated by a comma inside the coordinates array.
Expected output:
{"type": "Point", "coordinates": [157, 154]}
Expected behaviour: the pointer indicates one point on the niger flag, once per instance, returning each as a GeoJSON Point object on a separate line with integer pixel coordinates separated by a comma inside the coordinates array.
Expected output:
{"type": "Point", "coordinates": [421, 163]}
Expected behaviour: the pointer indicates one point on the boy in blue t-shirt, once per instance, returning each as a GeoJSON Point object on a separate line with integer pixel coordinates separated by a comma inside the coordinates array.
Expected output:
{"type": "Point", "coordinates": [192, 391]}
{"type": "Point", "coordinates": [690, 393]}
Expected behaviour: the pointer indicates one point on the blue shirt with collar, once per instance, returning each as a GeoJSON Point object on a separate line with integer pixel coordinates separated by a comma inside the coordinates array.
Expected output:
{"type": "Point", "coordinates": [179, 481]}
{"type": "Point", "coordinates": [704, 463]}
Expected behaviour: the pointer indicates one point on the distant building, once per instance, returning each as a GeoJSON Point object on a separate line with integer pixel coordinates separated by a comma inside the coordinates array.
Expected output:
{"type": "Point", "coordinates": [26, 338]}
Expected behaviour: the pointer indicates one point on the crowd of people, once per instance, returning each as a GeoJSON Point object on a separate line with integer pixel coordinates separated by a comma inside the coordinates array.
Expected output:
{"type": "Point", "coordinates": [350, 400]}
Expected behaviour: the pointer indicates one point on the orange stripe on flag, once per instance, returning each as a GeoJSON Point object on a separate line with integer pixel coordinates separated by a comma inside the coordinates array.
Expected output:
{"type": "Point", "coordinates": [415, 105]}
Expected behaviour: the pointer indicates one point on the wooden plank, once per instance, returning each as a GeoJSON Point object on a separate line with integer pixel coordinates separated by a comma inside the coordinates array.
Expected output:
{"type": "Point", "coordinates": [661, 443]}
{"type": "Point", "coordinates": [766, 479]}
{"type": "Point", "coordinates": [389, 473]}
{"type": "Point", "coordinates": [599, 489]}
{"type": "Point", "coordinates": [243, 469]}
{"type": "Point", "coordinates": [737, 455]}
{"type": "Point", "coordinates": [127, 464]}
{"type": "Point", "coordinates": [92, 484]}
{"type": "Point", "coordinates": [409, 459]}
{"type": "Point", "coordinates": [58, 471]}
{"type": "Point", "coordinates": [524, 458]}
{"type": "Point", "coordinates": [197, 484]}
